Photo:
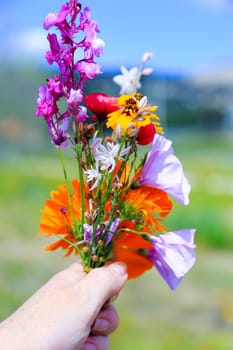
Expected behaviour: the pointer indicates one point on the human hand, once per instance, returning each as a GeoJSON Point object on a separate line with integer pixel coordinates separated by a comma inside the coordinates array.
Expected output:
{"type": "Point", "coordinates": [70, 312]}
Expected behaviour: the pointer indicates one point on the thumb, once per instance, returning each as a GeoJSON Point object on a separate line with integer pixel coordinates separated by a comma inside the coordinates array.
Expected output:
{"type": "Point", "coordinates": [100, 285]}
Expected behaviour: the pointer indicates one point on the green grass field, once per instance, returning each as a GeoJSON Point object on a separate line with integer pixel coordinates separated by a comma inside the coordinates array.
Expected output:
{"type": "Point", "coordinates": [199, 315]}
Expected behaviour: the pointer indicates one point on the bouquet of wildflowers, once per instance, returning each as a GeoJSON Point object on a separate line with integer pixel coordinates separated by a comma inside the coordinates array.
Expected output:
{"type": "Point", "coordinates": [115, 209]}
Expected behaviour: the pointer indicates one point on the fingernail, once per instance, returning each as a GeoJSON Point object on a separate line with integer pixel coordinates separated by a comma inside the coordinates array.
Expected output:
{"type": "Point", "coordinates": [101, 325]}
{"type": "Point", "coordinates": [88, 346]}
{"type": "Point", "coordinates": [119, 268]}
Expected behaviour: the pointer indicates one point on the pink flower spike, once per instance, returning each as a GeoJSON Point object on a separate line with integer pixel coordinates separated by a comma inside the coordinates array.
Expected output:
{"type": "Point", "coordinates": [172, 255]}
{"type": "Point", "coordinates": [163, 170]}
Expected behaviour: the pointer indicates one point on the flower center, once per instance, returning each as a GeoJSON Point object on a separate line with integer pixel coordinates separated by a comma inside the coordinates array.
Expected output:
{"type": "Point", "coordinates": [131, 106]}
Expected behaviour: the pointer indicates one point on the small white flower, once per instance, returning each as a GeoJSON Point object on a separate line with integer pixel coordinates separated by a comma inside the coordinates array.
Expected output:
{"type": "Point", "coordinates": [106, 155]}
{"type": "Point", "coordinates": [95, 141]}
{"type": "Point", "coordinates": [129, 80]}
{"type": "Point", "coordinates": [93, 174]}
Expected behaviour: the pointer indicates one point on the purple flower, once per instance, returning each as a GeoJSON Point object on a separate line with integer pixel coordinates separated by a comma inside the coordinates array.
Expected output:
{"type": "Point", "coordinates": [112, 230]}
{"type": "Point", "coordinates": [45, 103]}
{"type": "Point", "coordinates": [172, 254]}
{"type": "Point", "coordinates": [101, 232]}
{"type": "Point", "coordinates": [58, 131]}
{"type": "Point", "coordinates": [54, 54]}
{"type": "Point", "coordinates": [98, 47]}
{"type": "Point", "coordinates": [82, 114]}
{"type": "Point", "coordinates": [75, 97]}
{"type": "Point", "coordinates": [90, 30]}
{"type": "Point", "coordinates": [88, 229]}
{"type": "Point", "coordinates": [88, 69]}
{"type": "Point", "coordinates": [55, 86]}
{"type": "Point", "coordinates": [55, 19]}
{"type": "Point", "coordinates": [163, 170]}
{"type": "Point", "coordinates": [85, 17]}
{"type": "Point", "coordinates": [73, 48]}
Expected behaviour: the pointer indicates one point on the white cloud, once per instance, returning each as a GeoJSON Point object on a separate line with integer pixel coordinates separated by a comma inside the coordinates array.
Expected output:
{"type": "Point", "coordinates": [30, 44]}
{"type": "Point", "coordinates": [33, 41]}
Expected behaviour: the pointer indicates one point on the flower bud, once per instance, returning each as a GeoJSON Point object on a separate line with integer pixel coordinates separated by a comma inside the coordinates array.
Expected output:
{"type": "Point", "coordinates": [85, 249]}
{"type": "Point", "coordinates": [147, 71]}
{"type": "Point", "coordinates": [146, 134]}
{"type": "Point", "coordinates": [95, 258]}
{"type": "Point", "coordinates": [101, 259]}
{"type": "Point", "coordinates": [146, 57]}
{"type": "Point", "coordinates": [89, 131]}
{"type": "Point", "coordinates": [100, 243]}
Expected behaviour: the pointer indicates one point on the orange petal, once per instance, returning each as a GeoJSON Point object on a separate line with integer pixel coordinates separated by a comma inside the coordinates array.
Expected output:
{"type": "Point", "coordinates": [63, 244]}
{"type": "Point", "coordinates": [127, 247]}
{"type": "Point", "coordinates": [136, 264]}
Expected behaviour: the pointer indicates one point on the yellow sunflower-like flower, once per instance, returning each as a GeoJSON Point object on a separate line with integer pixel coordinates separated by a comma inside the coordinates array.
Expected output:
{"type": "Point", "coordinates": [134, 112]}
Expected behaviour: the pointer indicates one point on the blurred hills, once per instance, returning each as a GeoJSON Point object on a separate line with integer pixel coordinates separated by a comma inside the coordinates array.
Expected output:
{"type": "Point", "coordinates": [202, 101]}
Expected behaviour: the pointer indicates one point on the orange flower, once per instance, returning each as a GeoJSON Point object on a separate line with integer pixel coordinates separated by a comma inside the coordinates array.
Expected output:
{"type": "Point", "coordinates": [151, 203]}
{"type": "Point", "coordinates": [58, 218]}
{"type": "Point", "coordinates": [128, 247]}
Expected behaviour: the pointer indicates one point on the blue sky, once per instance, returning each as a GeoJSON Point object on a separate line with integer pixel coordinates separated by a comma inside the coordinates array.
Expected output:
{"type": "Point", "coordinates": [184, 35]}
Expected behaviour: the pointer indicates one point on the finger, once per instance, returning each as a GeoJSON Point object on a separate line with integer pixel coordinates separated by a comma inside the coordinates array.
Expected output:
{"type": "Point", "coordinates": [71, 275]}
{"type": "Point", "coordinates": [106, 322]}
{"type": "Point", "coordinates": [77, 267]}
{"type": "Point", "coordinates": [96, 342]}
{"type": "Point", "coordinates": [100, 285]}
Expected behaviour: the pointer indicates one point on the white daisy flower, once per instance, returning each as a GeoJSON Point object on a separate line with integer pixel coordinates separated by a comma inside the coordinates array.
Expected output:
{"type": "Point", "coordinates": [106, 155]}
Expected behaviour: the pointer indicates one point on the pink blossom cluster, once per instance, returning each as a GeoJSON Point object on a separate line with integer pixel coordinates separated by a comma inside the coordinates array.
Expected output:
{"type": "Point", "coordinates": [74, 50]}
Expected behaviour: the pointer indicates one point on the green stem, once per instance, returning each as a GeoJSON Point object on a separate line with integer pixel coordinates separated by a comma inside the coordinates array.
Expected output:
{"type": "Point", "coordinates": [69, 188]}
{"type": "Point", "coordinates": [66, 178]}
{"type": "Point", "coordinates": [81, 181]}
{"type": "Point", "coordinates": [76, 247]}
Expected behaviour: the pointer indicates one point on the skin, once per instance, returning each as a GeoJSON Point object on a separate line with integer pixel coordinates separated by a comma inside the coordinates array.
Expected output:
{"type": "Point", "coordinates": [72, 311]}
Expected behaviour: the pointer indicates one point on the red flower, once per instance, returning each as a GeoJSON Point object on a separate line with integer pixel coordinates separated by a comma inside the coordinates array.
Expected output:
{"type": "Point", "coordinates": [146, 134]}
{"type": "Point", "coordinates": [101, 104]}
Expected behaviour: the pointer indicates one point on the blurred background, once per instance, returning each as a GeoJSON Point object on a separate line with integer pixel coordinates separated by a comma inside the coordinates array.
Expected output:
{"type": "Point", "coordinates": [192, 84]}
